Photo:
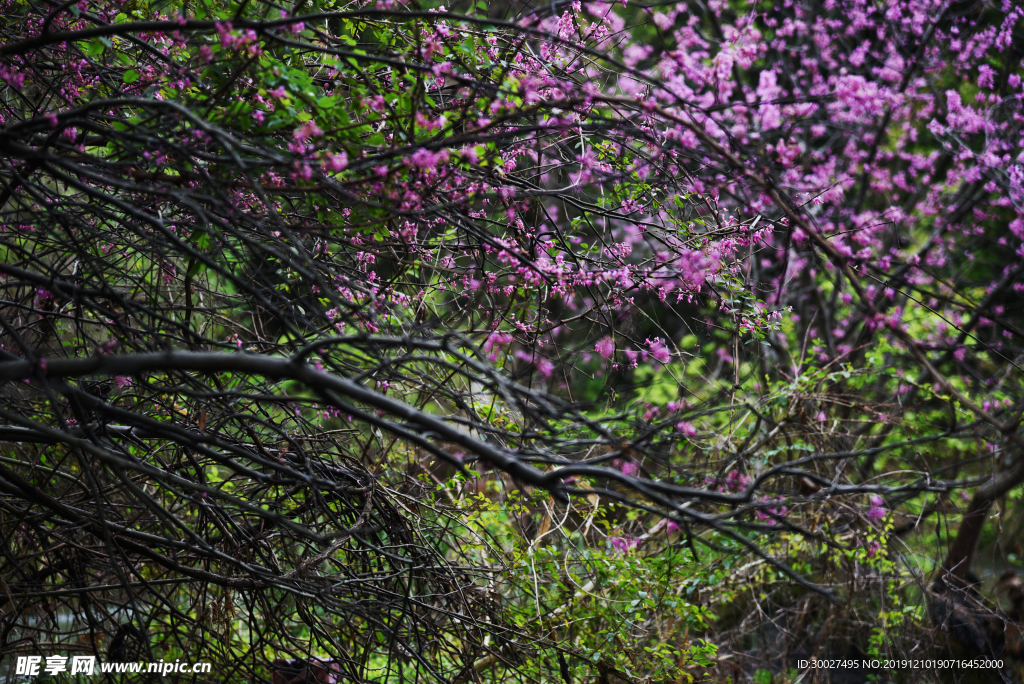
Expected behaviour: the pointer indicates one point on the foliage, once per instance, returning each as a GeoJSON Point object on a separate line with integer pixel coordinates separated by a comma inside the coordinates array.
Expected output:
{"type": "Point", "coordinates": [578, 342]}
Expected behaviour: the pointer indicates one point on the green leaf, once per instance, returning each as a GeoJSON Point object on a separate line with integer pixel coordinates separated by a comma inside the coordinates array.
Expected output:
{"type": "Point", "coordinates": [131, 76]}
{"type": "Point", "coordinates": [95, 48]}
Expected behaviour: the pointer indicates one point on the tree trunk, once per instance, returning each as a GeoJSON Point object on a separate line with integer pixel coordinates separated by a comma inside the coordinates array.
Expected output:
{"type": "Point", "coordinates": [961, 555]}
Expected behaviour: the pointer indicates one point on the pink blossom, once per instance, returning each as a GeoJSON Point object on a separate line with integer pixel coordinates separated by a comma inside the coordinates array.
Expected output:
{"type": "Point", "coordinates": [961, 116]}
{"type": "Point", "coordinates": [658, 350]}
{"type": "Point", "coordinates": [425, 160]}
{"type": "Point", "coordinates": [624, 543]}
{"type": "Point", "coordinates": [876, 511]}
{"type": "Point", "coordinates": [495, 341]}
{"type": "Point", "coordinates": [605, 347]}
{"type": "Point", "coordinates": [337, 161]}
{"type": "Point", "coordinates": [12, 76]}
{"type": "Point", "coordinates": [771, 514]}
{"type": "Point", "coordinates": [306, 131]}
{"type": "Point", "coordinates": [669, 526]}
{"type": "Point", "coordinates": [736, 481]}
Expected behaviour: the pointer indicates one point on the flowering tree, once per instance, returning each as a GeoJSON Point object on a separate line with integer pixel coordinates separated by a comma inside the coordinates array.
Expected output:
{"type": "Point", "coordinates": [373, 332]}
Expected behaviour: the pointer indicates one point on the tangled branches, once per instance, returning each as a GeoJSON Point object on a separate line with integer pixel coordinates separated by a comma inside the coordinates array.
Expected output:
{"type": "Point", "coordinates": [296, 308]}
